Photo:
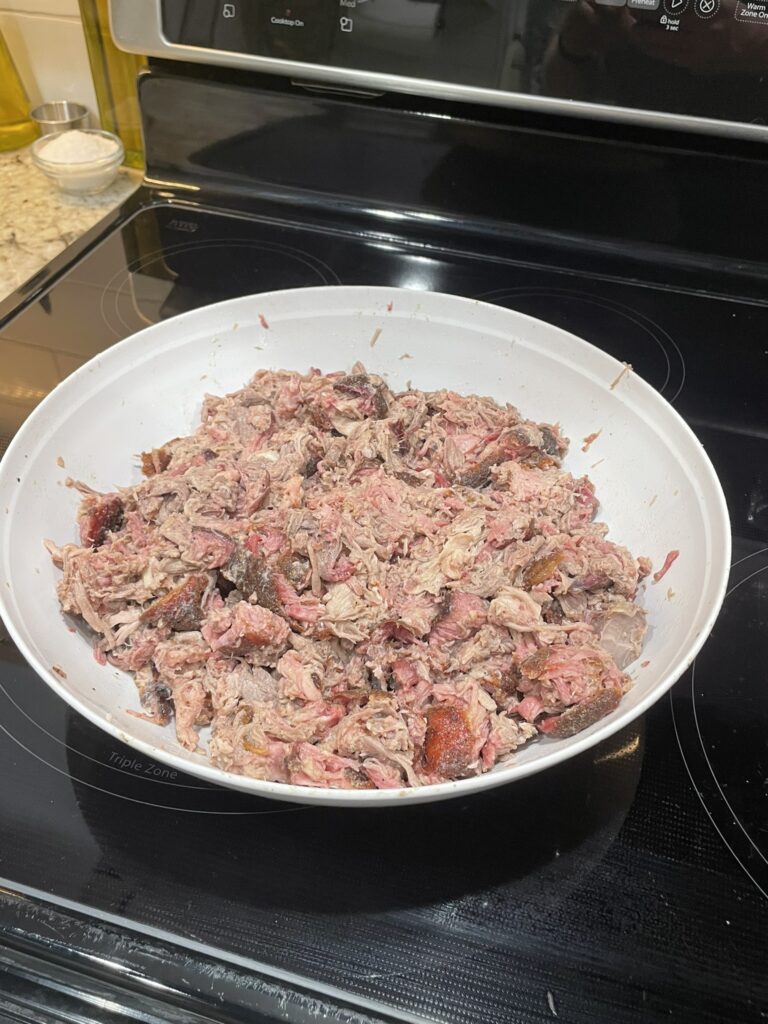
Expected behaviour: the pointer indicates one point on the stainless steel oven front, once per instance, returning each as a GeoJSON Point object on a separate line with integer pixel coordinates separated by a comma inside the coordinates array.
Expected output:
{"type": "Point", "coordinates": [696, 65]}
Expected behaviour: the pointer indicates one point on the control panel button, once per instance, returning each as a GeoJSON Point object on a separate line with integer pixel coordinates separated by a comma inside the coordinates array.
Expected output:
{"type": "Point", "coordinates": [706, 8]}
{"type": "Point", "coordinates": [675, 7]}
{"type": "Point", "coordinates": [644, 5]}
{"type": "Point", "coordinates": [229, 11]}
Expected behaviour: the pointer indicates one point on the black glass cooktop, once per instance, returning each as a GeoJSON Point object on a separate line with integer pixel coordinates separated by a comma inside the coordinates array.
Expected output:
{"type": "Point", "coordinates": [630, 884]}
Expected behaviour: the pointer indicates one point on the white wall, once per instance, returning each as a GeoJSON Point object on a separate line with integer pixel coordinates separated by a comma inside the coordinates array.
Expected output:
{"type": "Point", "coordinates": [46, 41]}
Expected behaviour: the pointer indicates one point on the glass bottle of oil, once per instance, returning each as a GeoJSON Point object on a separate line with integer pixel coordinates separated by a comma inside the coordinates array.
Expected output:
{"type": "Point", "coordinates": [114, 79]}
{"type": "Point", "coordinates": [16, 126]}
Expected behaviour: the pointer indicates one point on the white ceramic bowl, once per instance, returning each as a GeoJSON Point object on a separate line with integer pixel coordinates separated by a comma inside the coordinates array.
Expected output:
{"type": "Point", "coordinates": [80, 177]}
{"type": "Point", "coordinates": [657, 488]}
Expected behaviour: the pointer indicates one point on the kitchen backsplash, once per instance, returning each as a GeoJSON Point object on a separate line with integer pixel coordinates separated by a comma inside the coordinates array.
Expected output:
{"type": "Point", "coordinates": [46, 40]}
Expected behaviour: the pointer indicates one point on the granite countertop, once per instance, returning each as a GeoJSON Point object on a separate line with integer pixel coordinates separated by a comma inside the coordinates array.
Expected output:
{"type": "Point", "coordinates": [37, 221]}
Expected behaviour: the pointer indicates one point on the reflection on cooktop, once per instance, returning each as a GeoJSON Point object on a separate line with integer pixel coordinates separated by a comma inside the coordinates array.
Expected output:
{"type": "Point", "coordinates": [363, 869]}
{"type": "Point", "coordinates": [613, 326]}
{"type": "Point", "coordinates": [173, 279]}
{"type": "Point", "coordinates": [721, 717]}
{"type": "Point", "coordinates": [166, 260]}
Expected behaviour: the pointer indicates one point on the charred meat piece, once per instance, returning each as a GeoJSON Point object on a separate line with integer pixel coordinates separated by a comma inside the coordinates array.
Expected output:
{"type": "Point", "coordinates": [580, 716]}
{"type": "Point", "coordinates": [296, 570]}
{"type": "Point", "coordinates": [448, 741]}
{"type": "Point", "coordinates": [549, 442]}
{"type": "Point", "coordinates": [535, 664]}
{"type": "Point", "coordinates": [223, 585]}
{"type": "Point", "coordinates": [536, 445]}
{"type": "Point", "coordinates": [310, 466]}
{"type": "Point", "coordinates": [253, 577]}
{"type": "Point", "coordinates": [553, 614]}
{"type": "Point", "coordinates": [479, 474]}
{"type": "Point", "coordinates": [525, 445]}
{"type": "Point", "coordinates": [102, 517]}
{"type": "Point", "coordinates": [262, 585]}
{"type": "Point", "coordinates": [360, 385]}
{"type": "Point", "coordinates": [241, 570]}
{"type": "Point", "coordinates": [157, 702]}
{"type": "Point", "coordinates": [356, 384]}
{"type": "Point", "coordinates": [537, 459]}
{"type": "Point", "coordinates": [506, 683]}
{"type": "Point", "coordinates": [258, 577]}
{"type": "Point", "coordinates": [542, 569]}
{"type": "Point", "coordinates": [180, 608]}
{"type": "Point", "coordinates": [156, 461]}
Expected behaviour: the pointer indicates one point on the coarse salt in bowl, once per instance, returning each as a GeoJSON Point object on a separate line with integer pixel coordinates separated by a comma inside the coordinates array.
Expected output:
{"type": "Point", "coordinates": [80, 161]}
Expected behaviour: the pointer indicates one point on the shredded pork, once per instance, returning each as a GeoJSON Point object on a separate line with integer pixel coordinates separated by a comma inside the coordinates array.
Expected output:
{"type": "Point", "coordinates": [355, 588]}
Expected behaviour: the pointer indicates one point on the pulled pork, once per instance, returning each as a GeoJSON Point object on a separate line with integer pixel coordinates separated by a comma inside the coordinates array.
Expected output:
{"type": "Point", "coordinates": [355, 588]}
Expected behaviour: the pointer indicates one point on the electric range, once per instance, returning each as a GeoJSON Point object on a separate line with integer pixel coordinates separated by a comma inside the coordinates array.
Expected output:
{"type": "Point", "coordinates": [628, 884]}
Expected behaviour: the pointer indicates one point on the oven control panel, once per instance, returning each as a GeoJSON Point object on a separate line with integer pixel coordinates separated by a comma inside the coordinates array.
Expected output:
{"type": "Point", "coordinates": [696, 64]}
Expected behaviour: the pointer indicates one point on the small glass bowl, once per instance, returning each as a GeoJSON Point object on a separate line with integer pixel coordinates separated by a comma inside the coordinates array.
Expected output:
{"type": "Point", "coordinates": [84, 177]}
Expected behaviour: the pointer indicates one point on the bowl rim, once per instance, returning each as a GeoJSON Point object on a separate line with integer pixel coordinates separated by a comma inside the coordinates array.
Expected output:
{"type": "Point", "coordinates": [371, 295]}
{"type": "Point", "coordinates": [76, 165]}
